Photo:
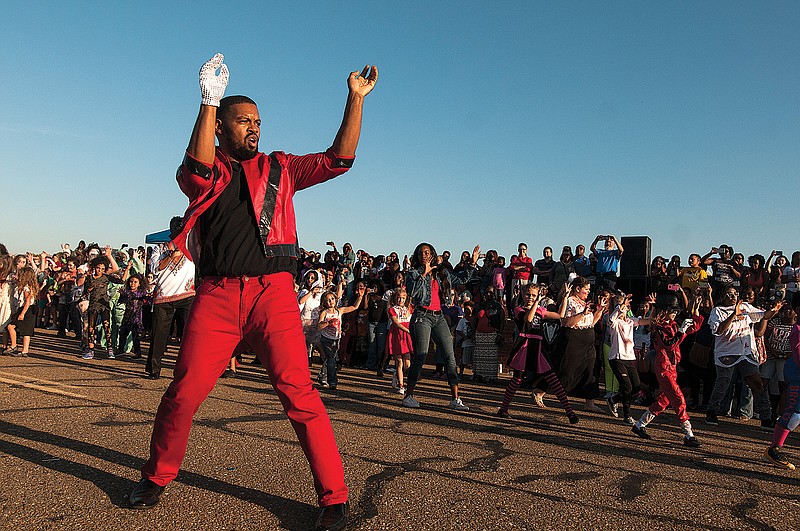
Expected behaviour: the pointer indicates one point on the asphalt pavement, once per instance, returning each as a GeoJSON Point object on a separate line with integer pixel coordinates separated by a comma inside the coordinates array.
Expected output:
{"type": "Point", "coordinates": [74, 433]}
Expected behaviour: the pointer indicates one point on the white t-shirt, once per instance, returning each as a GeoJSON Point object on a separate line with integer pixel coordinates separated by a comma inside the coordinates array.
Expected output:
{"type": "Point", "coordinates": [464, 327]}
{"type": "Point", "coordinates": [620, 328]}
{"type": "Point", "coordinates": [333, 320]}
{"type": "Point", "coordinates": [738, 342]}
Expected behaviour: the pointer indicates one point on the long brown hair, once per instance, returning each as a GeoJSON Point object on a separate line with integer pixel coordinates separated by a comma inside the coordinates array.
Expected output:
{"type": "Point", "coordinates": [26, 278]}
{"type": "Point", "coordinates": [660, 318]}
{"type": "Point", "coordinates": [6, 265]}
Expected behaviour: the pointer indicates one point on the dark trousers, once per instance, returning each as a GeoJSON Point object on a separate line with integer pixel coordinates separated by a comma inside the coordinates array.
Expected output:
{"type": "Point", "coordinates": [628, 378]}
{"type": "Point", "coordinates": [163, 314]}
{"type": "Point", "coordinates": [63, 316]}
{"type": "Point", "coordinates": [134, 330]}
{"type": "Point", "coordinates": [76, 320]}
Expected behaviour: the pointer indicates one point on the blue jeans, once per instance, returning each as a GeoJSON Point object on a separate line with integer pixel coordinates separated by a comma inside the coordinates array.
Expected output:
{"type": "Point", "coordinates": [744, 402]}
{"type": "Point", "coordinates": [330, 349]}
{"type": "Point", "coordinates": [424, 327]}
{"type": "Point", "coordinates": [726, 374]}
{"type": "Point", "coordinates": [376, 335]}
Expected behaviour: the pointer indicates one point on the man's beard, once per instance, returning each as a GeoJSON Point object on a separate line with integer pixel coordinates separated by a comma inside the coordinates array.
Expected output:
{"type": "Point", "coordinates": [243, 152]}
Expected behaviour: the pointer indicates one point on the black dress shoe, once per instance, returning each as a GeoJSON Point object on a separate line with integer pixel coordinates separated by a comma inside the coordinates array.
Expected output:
{"type": "Point", "coordinates": [149, 376]}
{"type": "Point", "coordinates": [145, 495]}
{"type": "Point", "coordinates": [333, 517]}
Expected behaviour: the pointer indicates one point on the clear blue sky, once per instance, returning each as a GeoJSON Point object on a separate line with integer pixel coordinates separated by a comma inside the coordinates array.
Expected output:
{"type": "Point", "coordinates": [492, 122]}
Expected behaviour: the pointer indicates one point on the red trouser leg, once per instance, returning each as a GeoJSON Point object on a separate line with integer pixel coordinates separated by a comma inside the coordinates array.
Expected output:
{"type": "Point", "coordinates": [670, 394]}
{"type": "Point", "coordinates": [210, 335]}
{"type": "Point", "coordinates": [274, 330]}
{"type": "Point", "coordinates": [263, 312]}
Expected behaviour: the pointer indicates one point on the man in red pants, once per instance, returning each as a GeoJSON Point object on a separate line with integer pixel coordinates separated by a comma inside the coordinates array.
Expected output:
{"type": "Point", "coordinates": [240, 231]}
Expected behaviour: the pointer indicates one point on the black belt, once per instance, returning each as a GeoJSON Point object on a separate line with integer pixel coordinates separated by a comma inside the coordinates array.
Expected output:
{"type": "Point", "coordinates": [432, 312]}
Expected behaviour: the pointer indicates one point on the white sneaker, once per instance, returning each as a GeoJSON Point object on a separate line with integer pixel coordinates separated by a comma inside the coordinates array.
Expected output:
{"type": "Point", "coordinates": [458, 405]}
{"type": "Point", "coordinates": [409, 401]}
{"type": "Point", "coordinates": [401, 390]}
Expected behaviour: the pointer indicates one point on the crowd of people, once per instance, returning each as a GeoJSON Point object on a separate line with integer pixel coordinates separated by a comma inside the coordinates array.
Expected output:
{"type": "Point", "coordinates": [710, 337]}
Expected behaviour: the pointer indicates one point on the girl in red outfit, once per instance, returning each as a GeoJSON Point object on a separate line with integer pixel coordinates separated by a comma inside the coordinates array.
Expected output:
{"type": "Point", "coordinates": [666, 337]}
{"type": "Point", "coordinates": [398, 339]}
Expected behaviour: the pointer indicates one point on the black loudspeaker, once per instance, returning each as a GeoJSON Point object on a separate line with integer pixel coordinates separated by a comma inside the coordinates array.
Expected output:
{"type": "Point", "coordinates": [639, 287]}
{"type": "Point", "coordinates": [635, 262]}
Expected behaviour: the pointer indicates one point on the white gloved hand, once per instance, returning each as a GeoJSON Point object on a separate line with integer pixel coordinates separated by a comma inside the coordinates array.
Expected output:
{"type": "Point", "coordinates": [687, 323]}
{"type": "Point", "coordinates": [212, 85]}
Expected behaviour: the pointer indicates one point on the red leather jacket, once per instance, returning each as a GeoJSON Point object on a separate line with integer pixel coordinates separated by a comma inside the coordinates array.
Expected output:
{"type": "Point", "coordinates": [667, 342]}
{"type": "Point", "coordinates": [203, 184]}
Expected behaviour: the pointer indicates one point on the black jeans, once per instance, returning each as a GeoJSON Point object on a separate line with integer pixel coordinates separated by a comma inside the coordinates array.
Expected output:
{"type": "Point", "coordinates": [163, 314]}
{"type": "Point", "coordinates": [628, 377]}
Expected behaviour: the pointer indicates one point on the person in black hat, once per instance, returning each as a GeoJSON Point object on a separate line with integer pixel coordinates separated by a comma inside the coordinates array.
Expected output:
{"type": "Point", "coordinates": [667, 336]}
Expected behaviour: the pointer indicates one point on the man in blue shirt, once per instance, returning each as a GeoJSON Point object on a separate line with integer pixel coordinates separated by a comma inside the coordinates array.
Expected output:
{"type": "Point", "coordinates": [607, 260]}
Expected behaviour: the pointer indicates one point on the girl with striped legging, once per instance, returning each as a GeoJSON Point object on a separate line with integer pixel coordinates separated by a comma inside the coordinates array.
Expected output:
{"type": "Point", "coordinates": [527, 353]}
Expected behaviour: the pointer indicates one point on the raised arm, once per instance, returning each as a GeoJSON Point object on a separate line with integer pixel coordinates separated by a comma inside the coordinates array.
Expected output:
{"type": "Point", "coordinates": [212, 87]}
{"type": "Point", "coordinates": [706, 259]}
{"type": "Point", "coordinates": [113, 265]}
{"type": "Point", "coordinates": [593, 247]}
{"type": "Point", "coordinates": [359, 85]}
{"type": "Point", "coordinates": [772, 256]}
{"type": "Point", "coordinates": [619, 245]}
{"type": "Point", "coordinates": [359, 297]}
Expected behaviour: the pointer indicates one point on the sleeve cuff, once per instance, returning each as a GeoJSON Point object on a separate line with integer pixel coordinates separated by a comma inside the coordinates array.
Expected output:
{"type": "Point", "coordinates": [341, 162]}
{"type": "Point", "coordinates": [196, 167]}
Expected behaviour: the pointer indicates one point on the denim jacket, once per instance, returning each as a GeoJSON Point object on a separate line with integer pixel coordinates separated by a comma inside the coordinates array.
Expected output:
{"type": "Point", "coordinates": [419, 287]}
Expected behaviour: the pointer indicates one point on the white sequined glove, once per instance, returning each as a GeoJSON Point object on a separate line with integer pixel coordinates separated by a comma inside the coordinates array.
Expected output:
{"type": "Point", "coordinates": [212, 85]}
{"type": "Point", "coordinates": [686, 325]}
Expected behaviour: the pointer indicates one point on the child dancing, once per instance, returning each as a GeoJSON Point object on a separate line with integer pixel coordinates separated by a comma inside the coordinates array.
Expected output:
{"type": "Point", "coordinates": [666, 337]}
{"type": "Point", "coordinates": [527, 353]}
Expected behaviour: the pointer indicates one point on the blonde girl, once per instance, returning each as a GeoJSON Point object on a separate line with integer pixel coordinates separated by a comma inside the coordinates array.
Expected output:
{"type": "Point", "coordinates": [398, 339]}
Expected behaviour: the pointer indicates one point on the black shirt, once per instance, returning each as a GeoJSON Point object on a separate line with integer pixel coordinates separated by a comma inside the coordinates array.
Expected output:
{"type": "Point", "coordinates": [377, 310]}
{"type": "Point", "coordinates": [231, 245]}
